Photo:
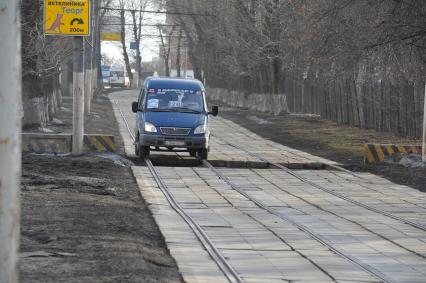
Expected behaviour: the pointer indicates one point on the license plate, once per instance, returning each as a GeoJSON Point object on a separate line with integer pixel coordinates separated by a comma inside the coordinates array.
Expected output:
{"type": "Point", "coordinates": [174, 143]}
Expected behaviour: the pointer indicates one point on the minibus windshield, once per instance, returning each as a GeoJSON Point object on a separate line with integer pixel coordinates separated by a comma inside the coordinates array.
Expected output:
{"type": "Point", "coordinates": [183, 100]}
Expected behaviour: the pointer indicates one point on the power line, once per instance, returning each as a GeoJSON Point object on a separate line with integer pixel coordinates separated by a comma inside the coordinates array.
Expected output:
{"type": "Point", "coordinates": [144, 25]}
{"type": "Point", "coordinates": [157, 12]}
{"type": "Point", "coordinates": [157, 35]}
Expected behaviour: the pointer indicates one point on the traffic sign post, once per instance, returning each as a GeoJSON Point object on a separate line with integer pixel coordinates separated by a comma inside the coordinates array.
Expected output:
{"type": "Point", "coordinates": [72, 18]}
{"type": "Point", "coordinates": [134, 45]}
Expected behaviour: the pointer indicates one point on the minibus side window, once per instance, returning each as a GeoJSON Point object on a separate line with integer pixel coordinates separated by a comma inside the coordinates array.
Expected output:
{"type": "Point", "coordinates": [141, 101]}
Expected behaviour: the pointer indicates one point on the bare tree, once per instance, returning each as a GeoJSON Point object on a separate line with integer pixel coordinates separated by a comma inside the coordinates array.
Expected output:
{"type": "Point", "coordinates": [333, 46]}
{"type": "Point", "coordinates": [179, 53]}
{"type": "Point", "coordinates": [42, 58]}
{"type": "Point", "coordinates": [137, 20]}
{"type": "Point", "coordinates": [166, 48]}
{"type": "Point", "coordinates": [122, 11]}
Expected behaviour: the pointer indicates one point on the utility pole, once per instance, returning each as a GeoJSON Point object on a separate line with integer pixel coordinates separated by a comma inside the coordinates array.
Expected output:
{"type": "Point", "coordinates": [10, 138]}
{"type": "Point", "coordinates": [100, 14]}
{"type": "Point", "coordinates": [87, 76]}
{"type": "Point", "coordinates": [424, 129]}
{"type": "Point", "coordinates": [95, 48]}
{"type": "Point", "coordinates": [90, 54]}
{"type": "Point", "coordinates": [78, 96]}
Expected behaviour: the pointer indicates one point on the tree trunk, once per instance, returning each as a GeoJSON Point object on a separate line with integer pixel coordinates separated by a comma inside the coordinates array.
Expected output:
{"type": "Point", "coordinates": [178, 58]}
{"type": "Point", "coordinates": [123, 43]}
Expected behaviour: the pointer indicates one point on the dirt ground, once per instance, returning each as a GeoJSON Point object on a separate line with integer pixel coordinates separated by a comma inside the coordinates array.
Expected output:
{"type": "Point", "coordinates": [83, 219]}
{"type": "Point", "coordinates": [101, 119]}
{"type": "Point", "coordinates": [327, 139]}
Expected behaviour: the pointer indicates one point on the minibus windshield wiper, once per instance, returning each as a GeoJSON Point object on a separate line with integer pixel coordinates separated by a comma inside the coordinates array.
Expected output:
{"type": "Point", "coordinates": [185, 110]}
{"type": "Point", "coordinates": [161, 110]}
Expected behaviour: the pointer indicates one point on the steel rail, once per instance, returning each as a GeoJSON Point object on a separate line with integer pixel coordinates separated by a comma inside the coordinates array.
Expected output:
{"type": "Point", "coordinates": [229, 272]}
{"type": "Point", "coordinates": [336, 194]}
{"type": "Point", "coordinates": [336, 167]}
{"type": "Point", "coordinates": [367, 268]}
{"type": "Point", "coordinates": [125, 120]}
{"type": "Point", "coordinates": [215, 254]}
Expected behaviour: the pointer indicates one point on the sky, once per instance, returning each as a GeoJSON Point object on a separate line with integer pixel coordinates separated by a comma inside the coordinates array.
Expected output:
{"type": "Point", "coordinates": [149, 44]}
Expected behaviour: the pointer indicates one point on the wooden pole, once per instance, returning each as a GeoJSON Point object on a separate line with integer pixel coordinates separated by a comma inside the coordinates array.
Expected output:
{"type": "Point", "coordinates": [10, 138]}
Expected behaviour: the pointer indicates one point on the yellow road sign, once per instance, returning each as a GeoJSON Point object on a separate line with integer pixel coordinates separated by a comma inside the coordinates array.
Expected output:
{"type": "Point", "coordinates": [110, 36]}
{"type": "Point", "coordinates": [111, 30]}
{"type": "Point", "coordinates": [67, 17]}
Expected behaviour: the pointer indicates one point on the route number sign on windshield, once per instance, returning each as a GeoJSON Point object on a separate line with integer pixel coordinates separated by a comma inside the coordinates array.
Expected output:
{"type": "Point", "coordinates": [67, 17]}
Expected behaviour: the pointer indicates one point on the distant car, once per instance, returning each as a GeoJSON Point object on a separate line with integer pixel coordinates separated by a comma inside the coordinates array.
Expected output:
{"type": "Point", "coordinates": [119, 78]}
{"type": "Point", "coordinates": [126, 80]}
{"type": "Point", "coordinates": [172, 115]}
{"type": "Point", "coordinates": [106, 73]}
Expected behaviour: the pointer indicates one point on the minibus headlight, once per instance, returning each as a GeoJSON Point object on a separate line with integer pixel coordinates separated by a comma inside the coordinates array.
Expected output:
{"type": "Point", "coordinates": [201, 129]}
{"type": "Point", "coordinates": [150, 128]}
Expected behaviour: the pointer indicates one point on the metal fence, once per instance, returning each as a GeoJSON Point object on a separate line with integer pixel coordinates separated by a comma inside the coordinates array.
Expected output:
{"type": "Point", "coordinates": [380, 105]}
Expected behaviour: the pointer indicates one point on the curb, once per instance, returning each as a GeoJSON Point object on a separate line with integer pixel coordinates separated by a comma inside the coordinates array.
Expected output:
{"type": "Point", "coordinates": [378, 152]}
{"type": "Point", "coordinates": [62, 143]}
{"type": "Point", "coordinates": [99, 143]}
{"type": "Point", "coordinates": [46, 143]}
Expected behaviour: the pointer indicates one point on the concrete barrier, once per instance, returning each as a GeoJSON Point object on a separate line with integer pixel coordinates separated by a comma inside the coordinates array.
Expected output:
{"type": "Point", "coordinates": [46, 143]}
{"type": "Point", "coordinates": [378, 152]}
{"type": "Point", "coordinates": [62, 143]}
{"type": "Point", "coordinates": [269, 103]}
{"type": "Point", "coordinates": [99, 143]}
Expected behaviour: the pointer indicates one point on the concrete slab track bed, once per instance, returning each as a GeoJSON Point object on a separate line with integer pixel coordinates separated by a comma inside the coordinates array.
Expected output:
{"type": "Point", "coordinates": [273, 225]}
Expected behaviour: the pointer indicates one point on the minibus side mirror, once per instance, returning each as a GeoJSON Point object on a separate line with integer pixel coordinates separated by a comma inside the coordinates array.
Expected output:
{"type": "Point", "coordinates": [215, 111]}
{"type": "Point", "coordinates": [135, 107]}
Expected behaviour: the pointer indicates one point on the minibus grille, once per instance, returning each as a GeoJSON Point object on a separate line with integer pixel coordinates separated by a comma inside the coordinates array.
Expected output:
{"type": "Point", "coordinates": [175, 131]}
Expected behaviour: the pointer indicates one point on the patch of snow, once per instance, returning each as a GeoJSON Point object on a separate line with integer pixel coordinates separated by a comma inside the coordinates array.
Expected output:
{"type": "Point", "coordinates": [296, 115]}
{"type": "Point", "coordinates": [57, 122]}
{"type": "Point", "coordinates": [118, 159]}
{"type": "Point", "coordinates": [51, 154]}
{"type": "Point", "coordinates": [94, 115]}
{"type": "Point", "coordinates": [258, 120]}
{"type": "Point", "coordinates": [412, 161]}
{"type": "Point", "coordinates": [45, 130]}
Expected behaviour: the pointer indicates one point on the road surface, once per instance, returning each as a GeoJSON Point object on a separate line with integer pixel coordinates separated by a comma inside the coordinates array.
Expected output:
{"type": "Point", "coordinates": [254, 223]}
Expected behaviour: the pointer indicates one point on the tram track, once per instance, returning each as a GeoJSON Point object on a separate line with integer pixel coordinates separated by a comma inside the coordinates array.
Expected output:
{"type": "Point", "coordinates": [367, 268]}
{"type": "Point", "coordinates": [201, 235]}
{"type": "Point", "coordinates": [216, 255]}
{"type": "Point", "coordinates": [334, 193]}
{"type": "Point", "coordinates": [319, 207]}
{"type": "Point", "coordinates": [231, 275]}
